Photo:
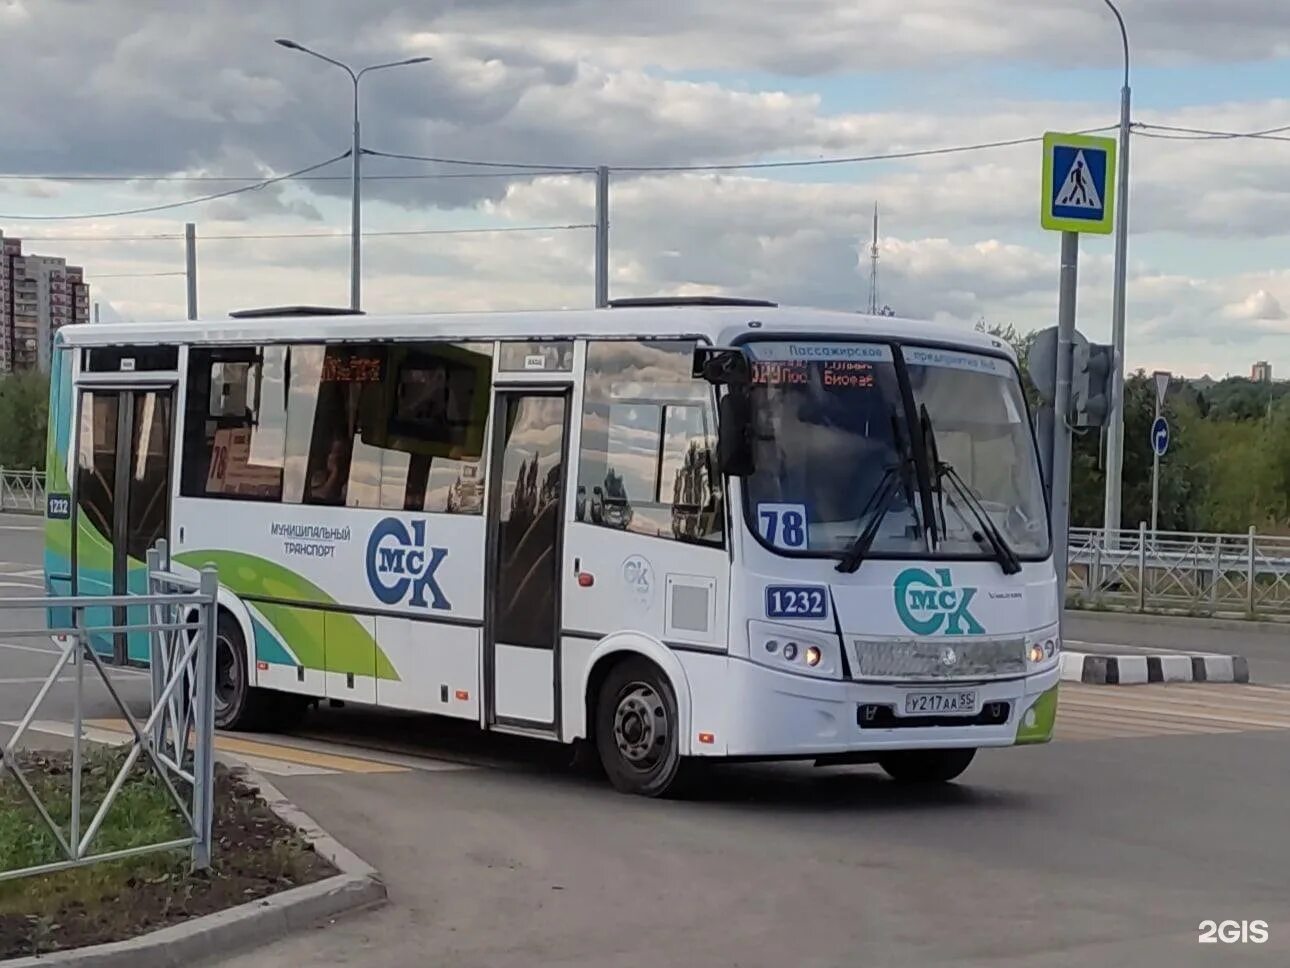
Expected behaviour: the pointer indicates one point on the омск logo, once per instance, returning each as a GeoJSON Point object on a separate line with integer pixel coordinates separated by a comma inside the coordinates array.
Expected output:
{"type": "Point", "coordinates": [928, 603]}
{"type": "Point", "coordinates": [400, 566]}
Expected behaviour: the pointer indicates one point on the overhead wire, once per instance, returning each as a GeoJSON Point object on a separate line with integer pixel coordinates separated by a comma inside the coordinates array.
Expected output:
{"type": "Point", "coordinates": [147, 209]}
{"type": "Point", "coordinates": [1167, 132]}
{"type": "Point", "coordinates": [406, 232]}
{"type": "Point", "coordinates": [520, 169]}
{"type": "Point", "coordinates": [132, 275]}
{"type": "Point", "coordinates": [423, 176]}
{"type": "Point", "coordinates": [849, 160]}
{"type": "Point", "coordinates": [575, 169]}
{"type": "Point", "coordinates": [177, 236]}
{"type": "Point", "coordinates": [515, 169]}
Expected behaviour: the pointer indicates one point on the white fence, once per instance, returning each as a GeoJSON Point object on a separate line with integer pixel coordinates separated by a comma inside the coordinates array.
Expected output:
{"type": "Point", "coordinates": [175, 741]}
{"type": "Point", "coordinates": [1244, 575]}
{"type": "Point", "coordinates": [22, 490]}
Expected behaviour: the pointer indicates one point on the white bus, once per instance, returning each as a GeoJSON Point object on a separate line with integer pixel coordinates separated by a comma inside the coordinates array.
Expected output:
{"type": "Point", "coordinates": [676, 530]}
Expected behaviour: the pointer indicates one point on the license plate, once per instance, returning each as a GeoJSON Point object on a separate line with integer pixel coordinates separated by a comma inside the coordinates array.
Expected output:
{"type": "Point", "coordinates": [959, 703]}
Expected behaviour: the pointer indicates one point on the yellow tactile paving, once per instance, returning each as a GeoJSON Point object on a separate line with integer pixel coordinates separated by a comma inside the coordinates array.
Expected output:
{"type": "Point", "coordinates": [1091, 713]}
{"type": "Point", "coordinates": [277, 751]}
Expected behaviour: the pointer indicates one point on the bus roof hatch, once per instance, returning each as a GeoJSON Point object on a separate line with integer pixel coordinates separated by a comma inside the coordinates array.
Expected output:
{"type": "Point", "coordinates": [659, 301]}
{"type": "Point", "coordinates": [278, 312]}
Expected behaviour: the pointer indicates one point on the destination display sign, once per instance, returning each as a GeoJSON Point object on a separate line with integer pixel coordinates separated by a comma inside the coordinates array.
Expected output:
{"type": "Point", "coordinates": [843, 374]}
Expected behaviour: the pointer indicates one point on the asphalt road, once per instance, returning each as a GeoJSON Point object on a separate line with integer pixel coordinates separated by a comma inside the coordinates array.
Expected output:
{"type": "Point", "coordinates": [1156, 809]}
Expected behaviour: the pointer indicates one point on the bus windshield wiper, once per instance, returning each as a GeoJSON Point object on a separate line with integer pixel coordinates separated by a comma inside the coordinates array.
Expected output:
{"type": "Point", "coordinates": [897, 474]}
{"type": "Point", "coordinates": [989, 533]}
{"type": "Point", "coordinates": [1008, 559]}
{"type": "Point", "coordinates": [876, 510]}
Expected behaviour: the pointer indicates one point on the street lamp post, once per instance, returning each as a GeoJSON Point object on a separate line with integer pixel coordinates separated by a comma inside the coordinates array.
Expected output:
{"type": "Point", "coordinates": [356, 154]}
{"type": "Point", "coordinates": [1115, 431]}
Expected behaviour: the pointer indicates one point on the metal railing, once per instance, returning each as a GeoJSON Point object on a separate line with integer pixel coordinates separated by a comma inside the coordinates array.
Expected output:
{"type": "Point", "coordinates": [1244, 575]}
{"type": "Point", "coordinates": [22, 490]}
{"type": "Point", "coordinates": [176, 740]}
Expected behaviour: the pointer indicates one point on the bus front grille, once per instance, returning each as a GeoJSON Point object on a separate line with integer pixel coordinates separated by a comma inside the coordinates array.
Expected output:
{"type": "Point", "coordinates": [914, 660]}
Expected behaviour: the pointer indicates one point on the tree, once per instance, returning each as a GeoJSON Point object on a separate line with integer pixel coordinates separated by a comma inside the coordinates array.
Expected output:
{"type": "Point", "coordinates": [1228, 465]}
{"type": "Point", "coordinates": [24, 418]}
{"type": "Point", "coordinates": [1237, 398]}
{"type": "Point", "coordinates": [1021, 344]}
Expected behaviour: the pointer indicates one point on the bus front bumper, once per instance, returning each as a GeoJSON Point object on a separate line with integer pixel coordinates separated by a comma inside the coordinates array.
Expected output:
{"type": "Point", "coordinates": [774, 714]}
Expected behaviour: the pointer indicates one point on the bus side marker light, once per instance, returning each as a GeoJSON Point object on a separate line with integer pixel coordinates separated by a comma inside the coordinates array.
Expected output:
{"type": "Point", "coordinates": [707, 739]}
{"type": "Point", "coordinates": [261, 666]}
{"type": "Point", "coordinates": [586, 579]}
{"type": "Point", "coordinates": [462, 694]}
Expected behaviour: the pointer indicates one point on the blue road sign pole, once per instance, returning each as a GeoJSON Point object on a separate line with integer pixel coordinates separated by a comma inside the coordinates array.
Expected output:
{"type": "Point", "coordinates": [1155, 470]}
{"type": "Point", "coordinates": [1061, 424]}
{"type": "Point", "coordinates": [1077, 195]}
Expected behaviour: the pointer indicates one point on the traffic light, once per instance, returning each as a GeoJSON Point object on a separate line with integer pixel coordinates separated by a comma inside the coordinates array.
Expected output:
{"type": "Point", "coordinates": [1092, 375]}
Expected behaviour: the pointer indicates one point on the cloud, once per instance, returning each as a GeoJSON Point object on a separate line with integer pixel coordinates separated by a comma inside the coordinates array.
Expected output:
{"type": "Point", "coordinates": [149, 87]}
{"type": "Point", "coordinates": [812, 37]}
{"type": "Point", "coordinates": [1258, 305]}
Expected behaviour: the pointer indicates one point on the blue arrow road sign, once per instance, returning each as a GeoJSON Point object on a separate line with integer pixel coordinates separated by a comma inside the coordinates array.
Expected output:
{"type": "Point", "coordinates": [1160, 436]}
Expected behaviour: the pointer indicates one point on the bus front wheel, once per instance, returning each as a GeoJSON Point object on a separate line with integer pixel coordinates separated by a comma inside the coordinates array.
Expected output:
{"type": "Point", "coordinates": [238, 704]}
{"type": "Point", "coordinates": [637, 730]}
{"type": "Point", "coordinates": [926, 766]}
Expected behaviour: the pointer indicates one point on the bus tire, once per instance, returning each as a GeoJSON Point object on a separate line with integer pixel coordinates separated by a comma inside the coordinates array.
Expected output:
{"type": "Point", "coordinates": [637, 730]}
{"type": "Point", "coordinates": [926, 766]}
{"type": "Point", "coordinates": [238, 706]}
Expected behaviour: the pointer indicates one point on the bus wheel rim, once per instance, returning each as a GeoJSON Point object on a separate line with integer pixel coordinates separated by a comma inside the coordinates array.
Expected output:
{"type": "Point", "coordinates": [641, 727]}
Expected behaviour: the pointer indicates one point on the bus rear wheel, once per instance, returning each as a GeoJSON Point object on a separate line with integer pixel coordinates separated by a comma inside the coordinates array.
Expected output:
{"type": "Point", "coordinates": [926, 766]}
{"type": "Point", "coordinates": [637, 730]}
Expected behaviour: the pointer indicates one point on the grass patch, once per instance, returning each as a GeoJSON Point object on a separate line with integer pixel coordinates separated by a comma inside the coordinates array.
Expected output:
{"type": "Point", "coordinates": [255, 854]}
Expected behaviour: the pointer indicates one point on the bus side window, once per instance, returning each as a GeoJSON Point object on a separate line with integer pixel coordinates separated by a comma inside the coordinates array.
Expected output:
{"type": "Point", "coordinates": [398, 426]}
{"type": "Point", "coordinates": [233, 437]}
{"type": "Point", "coordinates": [434, 423]}
{"type": "Point", "coordinates": [648, 443]}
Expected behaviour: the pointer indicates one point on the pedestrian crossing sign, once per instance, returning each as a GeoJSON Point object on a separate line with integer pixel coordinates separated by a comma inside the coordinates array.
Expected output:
{"type": "Point", "coordinates": [1079, 183]}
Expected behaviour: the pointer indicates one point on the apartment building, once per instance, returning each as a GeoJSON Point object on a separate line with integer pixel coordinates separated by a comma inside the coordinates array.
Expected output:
{"type": "Point", "coordinates": [39, 295]}
{"type": "Point", "coordinates": [1261, 372]}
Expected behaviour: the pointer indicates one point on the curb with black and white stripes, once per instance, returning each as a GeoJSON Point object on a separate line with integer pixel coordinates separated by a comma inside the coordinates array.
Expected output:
{"type": "Point", "coordinates": [1105, 669]}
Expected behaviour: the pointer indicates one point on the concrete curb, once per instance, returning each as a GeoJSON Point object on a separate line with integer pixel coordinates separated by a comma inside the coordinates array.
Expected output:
{"type": "Point", "coordinates": [237, 929]}
{"type": "Point", "coordinates": [1267, 626]}
{"type": "Point", "coordinates": [1103, 669]}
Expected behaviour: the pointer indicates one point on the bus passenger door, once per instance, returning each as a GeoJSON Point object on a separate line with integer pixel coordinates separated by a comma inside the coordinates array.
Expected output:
{"type": "Point", "coordinates": [522, 579]}
{"type": "Point", "coordinates": [122, 504]}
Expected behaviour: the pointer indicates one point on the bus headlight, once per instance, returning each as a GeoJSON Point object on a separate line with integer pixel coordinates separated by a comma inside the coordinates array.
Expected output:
{"type": "Point", "coordinates": [1043, 649]}
{"type": "Point", "coordinates": [789, 649]}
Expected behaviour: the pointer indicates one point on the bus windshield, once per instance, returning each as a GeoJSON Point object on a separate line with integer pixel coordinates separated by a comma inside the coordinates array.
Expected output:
{"type": "Point", "coordinates": [834, 439]}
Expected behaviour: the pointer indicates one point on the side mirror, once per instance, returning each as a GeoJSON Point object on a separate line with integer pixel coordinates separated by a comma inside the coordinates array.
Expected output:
{"type": "Point", "coordinates": [721, 366]}
{"type": "Point", "coordinates": [734, 436]}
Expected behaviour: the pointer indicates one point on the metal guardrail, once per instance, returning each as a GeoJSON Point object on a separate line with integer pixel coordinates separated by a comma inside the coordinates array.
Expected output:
{"type": "Point", "coordinates": [1246, 574]}
{"type": "Point", "coordinates": [176, 740]}
{"type": "Point", "coordinates": [22, 490]}
{"type": "Point", "coordinates": [1209, 574]}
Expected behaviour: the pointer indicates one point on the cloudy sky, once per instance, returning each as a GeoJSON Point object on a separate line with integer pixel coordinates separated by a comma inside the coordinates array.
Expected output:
{"type": "Point", "coordinates": [129, 90]}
